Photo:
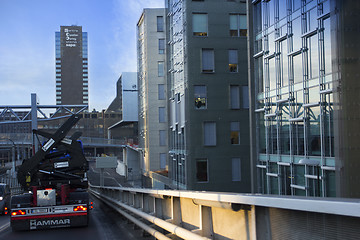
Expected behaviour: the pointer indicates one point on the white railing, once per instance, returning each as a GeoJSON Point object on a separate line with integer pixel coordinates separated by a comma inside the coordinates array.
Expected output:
{"type": "Point", "coordinates": [213, 215]}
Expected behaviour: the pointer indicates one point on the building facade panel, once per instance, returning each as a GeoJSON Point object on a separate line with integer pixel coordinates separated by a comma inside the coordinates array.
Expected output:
{"type": "Point", "coordinates": [201, 152]}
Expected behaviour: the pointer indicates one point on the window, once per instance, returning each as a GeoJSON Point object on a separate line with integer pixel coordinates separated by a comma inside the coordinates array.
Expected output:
{"type": "Point", "coordinates": [327, 46]}
{"type": "Point", "coordinates": [200, 97]}
{"type": "Point", "coordinates": [162, 160]}
{"type": "Point", "coordinates": [234, 97]}
{"type": "Point", "coordinates": [298, 74]}
{"type": "Point", "coordinates": [160, 23]}
{"type": "Point", "coordinates": [209, 133]}
{"type": "Point", "coordinates": [202, 170]}
{"type": "Point", "coordinates": [161, 69]}
{"type": "Point", "coordinates": [238, 25]}
{"type": "Point", "coordinates": [245, 96]}
{"type": "Point", "coordinates": [208, 64]}
{"type": "Point", "coordinates": [161, 91]}
{"type": "Point", "coordinates": [233, 60]}
{"type": "Point", "coordinates": [313, 56]}
{"type": "Point", "coordinates": [200, 24]}
{"type": "Point", "coordinates": [161, 114]}
{"type": "Point", "coordinates": [236, 169]}
{"type": "Point", "coordinates": [162, 138]}
{"type": "Point", "coordinates": [161, 46]}
{"type": "Point", "coordinates": [296, 4]}
{"type": "Point", "coordinates": [235, 133]}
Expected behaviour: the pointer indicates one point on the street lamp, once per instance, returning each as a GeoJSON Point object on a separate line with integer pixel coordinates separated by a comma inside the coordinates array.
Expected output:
{"type": "Point", "coordinates": [13, 158]}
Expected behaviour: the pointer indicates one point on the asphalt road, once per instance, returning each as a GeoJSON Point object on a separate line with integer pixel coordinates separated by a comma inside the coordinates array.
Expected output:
{"type": "Point", "coordinates": [105, 224]}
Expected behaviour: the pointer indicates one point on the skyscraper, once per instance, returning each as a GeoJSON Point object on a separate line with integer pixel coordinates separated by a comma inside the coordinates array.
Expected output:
{"type": "Point", "coordinates": [72, 85]}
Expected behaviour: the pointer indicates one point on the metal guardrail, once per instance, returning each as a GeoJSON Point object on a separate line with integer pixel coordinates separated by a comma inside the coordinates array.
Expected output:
{"type": "Point", "coordinates": [212, 215]}
{"type": "Point", "coordinates": [13, 183]}
{"type": "Point", "coordinates": [102, 142]}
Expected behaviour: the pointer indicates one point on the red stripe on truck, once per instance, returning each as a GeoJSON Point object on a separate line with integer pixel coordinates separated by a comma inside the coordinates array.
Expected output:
{"type": "Point", "coordinates": [49, 216]}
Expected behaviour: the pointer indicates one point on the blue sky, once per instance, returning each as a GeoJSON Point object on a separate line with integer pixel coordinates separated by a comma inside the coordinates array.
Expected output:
{"type": "Point", "coordinates": [27, 45]}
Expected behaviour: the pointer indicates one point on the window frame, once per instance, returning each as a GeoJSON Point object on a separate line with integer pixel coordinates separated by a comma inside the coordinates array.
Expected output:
{"type": "Point", "coordinates": [200, 33]}
{"type": "Point", "coordinates": [162, 118]}
{"type": "Point", "coordinates": [210, 62]}
{"type": "Point", "coordinates": [231, 58]}
{"type": "Point", "coordinates": [235, 130]}
{"type": "Point", "coordinates": [199, 160]}
{"type": "Point", "coordinates": [235, 105]}
{"type": "Point", "coordinates": [209, 130]}
{"type": "Point", "coordinates": [159, 23]}
{"type": "Point", "coordinates": [161, 92]}
{"type": "Point", "coordinates": [233, 168]}
{"type": "Point", "coordinates": [161, 50]}
{"type": "Point", "coordinates": [238, 31]}
{"type": "Point", "coordinates": [198, 98]}
{"type": "Point", "coordinates": [162, 137]}
{"type": "Point", "coordinates": [161, 68]}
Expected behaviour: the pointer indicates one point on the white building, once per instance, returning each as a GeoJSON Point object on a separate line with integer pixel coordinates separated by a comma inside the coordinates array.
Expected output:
{"type": "Point", "coordinates": [153, 124]}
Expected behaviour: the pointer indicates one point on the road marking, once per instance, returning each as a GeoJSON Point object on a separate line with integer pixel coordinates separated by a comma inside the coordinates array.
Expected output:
{"type": "Point", "coordinates": [4, 227]}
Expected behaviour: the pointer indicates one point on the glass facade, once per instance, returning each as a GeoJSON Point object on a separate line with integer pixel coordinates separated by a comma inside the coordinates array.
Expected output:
{"type": "Point", "coordinates": [176, 77]}
{"type": "Point", "coordinates": [294, 99]}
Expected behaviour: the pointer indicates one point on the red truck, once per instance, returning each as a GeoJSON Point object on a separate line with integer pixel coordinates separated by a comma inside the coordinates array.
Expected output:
{"type": "Point", "coordinates": [55, 183]}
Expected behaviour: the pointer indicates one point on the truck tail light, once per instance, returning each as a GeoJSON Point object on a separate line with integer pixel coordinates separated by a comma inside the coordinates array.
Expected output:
{"type": "Point", "coordinates": [6, 210]}
{"type": "Point", "coordinates": [91, 205]}
{"type": "Point", "coordinates": [80, 208]}
{"type": "Point", "coordinates": [18, 212]}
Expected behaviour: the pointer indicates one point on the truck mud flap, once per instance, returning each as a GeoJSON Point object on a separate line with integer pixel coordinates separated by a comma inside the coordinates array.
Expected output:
{"type": "Point", "coordinates": [48, 222]}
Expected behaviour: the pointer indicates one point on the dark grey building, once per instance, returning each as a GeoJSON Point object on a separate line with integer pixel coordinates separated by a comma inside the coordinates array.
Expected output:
{"type": "Point", "coordinates": [304, 84]}
{"type": "Point", "coordinates": [72, 85]}
{"type": "Point", "coordinates": [208, 91]}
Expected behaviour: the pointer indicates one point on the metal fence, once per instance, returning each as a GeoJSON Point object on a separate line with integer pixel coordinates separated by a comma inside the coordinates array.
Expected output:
{"type": "Point", "coordinates": [13, 183]}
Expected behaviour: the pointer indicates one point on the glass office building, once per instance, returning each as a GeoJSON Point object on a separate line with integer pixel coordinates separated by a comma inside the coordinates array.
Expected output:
{"type": "Point", "coordinates": [301, 118]}
{"type": "Point", "coordinates": [71, 53]}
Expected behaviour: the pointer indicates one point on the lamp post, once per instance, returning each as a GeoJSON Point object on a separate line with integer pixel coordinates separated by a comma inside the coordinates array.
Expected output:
{"type": "Point", "coordinates": [13, 158]}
